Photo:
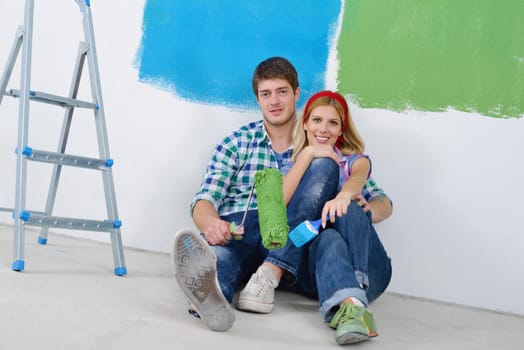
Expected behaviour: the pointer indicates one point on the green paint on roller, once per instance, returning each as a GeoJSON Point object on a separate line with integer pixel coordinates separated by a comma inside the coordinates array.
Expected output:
{"type": "Point", "coordinates": [431, 55]}
{"type": "Point", "coordinates": [272, 213]}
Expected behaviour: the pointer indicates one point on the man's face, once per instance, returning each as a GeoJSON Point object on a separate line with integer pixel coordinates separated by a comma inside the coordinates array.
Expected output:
{"type": "Point", "coordinates": [277, 100]}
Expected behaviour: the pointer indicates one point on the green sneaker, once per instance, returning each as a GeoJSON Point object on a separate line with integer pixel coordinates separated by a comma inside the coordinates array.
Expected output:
{"type": "Point", "coordinates": [353, 323]}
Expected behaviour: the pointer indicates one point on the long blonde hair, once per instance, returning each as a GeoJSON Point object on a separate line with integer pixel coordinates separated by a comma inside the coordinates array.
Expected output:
{"type": "Point", "coordinates": [349, 142]}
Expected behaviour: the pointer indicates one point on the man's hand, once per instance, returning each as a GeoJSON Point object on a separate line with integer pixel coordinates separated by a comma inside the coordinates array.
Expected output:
{"type": "Point", "coordinates": [218, 233]}
{"type": "Point", "coordinates": [380, 207]}
{"type": "Point", "coordinates": [363, 203]}
{"type": "Point", "coordinates": [206, 218]}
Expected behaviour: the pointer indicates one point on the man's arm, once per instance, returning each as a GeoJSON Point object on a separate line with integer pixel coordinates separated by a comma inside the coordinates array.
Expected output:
{"type": "Point", "coordinates": [380, 207]}
{"type": "Point", "coordinates": [215, 187]}
{"type": "Point", "coordinates": [208, 221]}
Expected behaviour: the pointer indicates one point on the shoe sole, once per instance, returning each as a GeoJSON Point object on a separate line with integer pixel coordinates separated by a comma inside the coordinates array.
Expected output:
{"type": "Point", "coordinates": [351, 338]}
{"type": "Point", "coordinates": [254, 306]}
{"type": "Point", "coordinates": [353, 334]}
{"type": "Point", "coordinates": [194, 265]}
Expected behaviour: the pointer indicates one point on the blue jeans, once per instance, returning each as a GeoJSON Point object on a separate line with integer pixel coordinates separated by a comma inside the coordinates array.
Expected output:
{"type": "Point", "coordinates": [238, 260]}
{"type": "Point", "coordinates": [345, 260]}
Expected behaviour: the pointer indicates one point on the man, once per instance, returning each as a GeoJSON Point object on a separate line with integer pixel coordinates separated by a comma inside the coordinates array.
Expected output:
{"type": "Point", "coordinates": [209, 274]}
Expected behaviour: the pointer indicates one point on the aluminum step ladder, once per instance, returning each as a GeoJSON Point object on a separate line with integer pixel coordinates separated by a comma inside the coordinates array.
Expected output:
{"type": "Point", "coordinates": [24, 153]}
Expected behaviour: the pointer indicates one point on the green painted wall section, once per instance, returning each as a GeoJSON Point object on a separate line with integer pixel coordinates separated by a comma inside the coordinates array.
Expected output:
{"type": "Point", "coordinates": [430, 54]}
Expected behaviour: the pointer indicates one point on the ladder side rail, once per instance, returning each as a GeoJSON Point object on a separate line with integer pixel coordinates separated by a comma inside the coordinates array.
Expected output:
{"type": "Point", "coordinates": [96, 91]}
{"type": "Point", "coordinates": [23, 124]}
{"type": "Point", "coordinates": [103, 145]}
{"type": "Point", "coordinates": [64, 136]}
{"type": "Point", "coordinates": [11, 60]}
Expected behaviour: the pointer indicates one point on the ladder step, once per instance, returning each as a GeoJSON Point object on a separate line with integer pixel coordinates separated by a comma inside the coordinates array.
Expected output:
{"type": "Point", "coordinates": [36, 219]}
{"type": "Point", "coordinates": [65, 159]}
{"type": "Point", "coordinates": [11, 210]}
{"type": "Point", "coordinates": [53, 99]}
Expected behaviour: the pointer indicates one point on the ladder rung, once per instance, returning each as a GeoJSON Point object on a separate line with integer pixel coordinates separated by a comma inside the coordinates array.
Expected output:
{"type": "Point", "coordinates": [11, 210]}
{"type": "Point", "coordinates": [35, 219]}
{"type": "Point", "coordinates": [53, 99]}
{"type": "Point", "coordinates": [65, 159]}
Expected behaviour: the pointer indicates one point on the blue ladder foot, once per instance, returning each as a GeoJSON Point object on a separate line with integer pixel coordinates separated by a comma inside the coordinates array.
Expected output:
{"type": "Point", "coordinates": [42, 241]}
{"type": "Point", "coordinates": [18, 265]}
{"type": "Point", "coordinates": [121, 271]}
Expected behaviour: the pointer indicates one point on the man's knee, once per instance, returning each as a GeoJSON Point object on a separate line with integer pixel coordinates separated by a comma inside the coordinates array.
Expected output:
{"type": "Point", "coordinates": [328, 237]}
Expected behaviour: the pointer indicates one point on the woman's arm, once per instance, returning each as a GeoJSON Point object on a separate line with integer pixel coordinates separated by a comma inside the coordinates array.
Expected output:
{"type": "Point", "coordinates": [351, 189]}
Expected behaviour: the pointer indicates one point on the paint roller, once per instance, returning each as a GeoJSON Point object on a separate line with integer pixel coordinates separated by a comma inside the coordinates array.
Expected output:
{"type": "Point", "coordinates": [272, 212]}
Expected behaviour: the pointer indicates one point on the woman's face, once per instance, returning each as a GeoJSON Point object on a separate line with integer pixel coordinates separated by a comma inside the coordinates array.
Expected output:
{"type": "Point", "coordinates": [323, 126]}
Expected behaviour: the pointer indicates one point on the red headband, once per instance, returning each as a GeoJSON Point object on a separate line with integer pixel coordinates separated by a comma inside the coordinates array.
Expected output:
{"type": "Point", "coordinates": [335, 96]}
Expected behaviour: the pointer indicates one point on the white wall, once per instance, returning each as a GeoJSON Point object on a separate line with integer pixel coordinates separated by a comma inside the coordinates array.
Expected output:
{"type": "Point", "coordinates": [455, 178]}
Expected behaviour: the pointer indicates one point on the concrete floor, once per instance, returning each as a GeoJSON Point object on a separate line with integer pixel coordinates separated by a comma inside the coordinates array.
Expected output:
{"type": "Point", "coordinates": [68, 298]}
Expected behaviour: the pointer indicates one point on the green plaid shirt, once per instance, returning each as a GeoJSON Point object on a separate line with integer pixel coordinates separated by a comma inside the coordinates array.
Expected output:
{"type": "Point", "coordinates": [231, 171]}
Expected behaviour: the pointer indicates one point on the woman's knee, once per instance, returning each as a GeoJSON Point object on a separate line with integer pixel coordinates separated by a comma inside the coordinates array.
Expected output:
{"type": "Point", "coordinates": [324, 166]}
{"type": "Point", "coordinates": [320, 181]}
{"type": "Point", "coordinates": [355, 210]}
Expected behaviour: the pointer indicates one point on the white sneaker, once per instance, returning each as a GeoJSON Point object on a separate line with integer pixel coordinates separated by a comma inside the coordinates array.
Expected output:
{"type": "Point", "coordinates": [259, 293]}
{"type": "Point", "coordinates": [194, 265]}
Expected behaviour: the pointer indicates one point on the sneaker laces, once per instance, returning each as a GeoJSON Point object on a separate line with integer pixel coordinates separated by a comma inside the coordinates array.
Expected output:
{"type": "Point", "coordinates": [260, 283]}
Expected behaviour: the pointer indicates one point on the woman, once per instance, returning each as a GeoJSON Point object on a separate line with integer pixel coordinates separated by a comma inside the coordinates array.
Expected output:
{"type": "Point", "coordinates": [345, 266]}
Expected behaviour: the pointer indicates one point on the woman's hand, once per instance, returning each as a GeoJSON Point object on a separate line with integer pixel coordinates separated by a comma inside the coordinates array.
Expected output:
{"type": "Point", "coordinates": [319, 151]}
{"type": "Point", "coordinates": [338, 206]}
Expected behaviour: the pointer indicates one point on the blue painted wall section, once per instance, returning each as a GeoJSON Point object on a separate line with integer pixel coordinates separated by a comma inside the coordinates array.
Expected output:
{"type": "Point", "coordinates": [206, 51]}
